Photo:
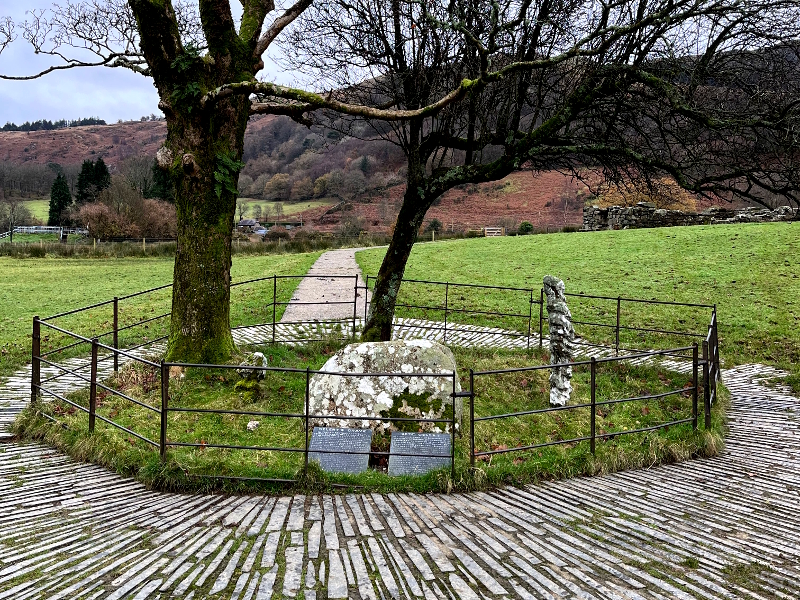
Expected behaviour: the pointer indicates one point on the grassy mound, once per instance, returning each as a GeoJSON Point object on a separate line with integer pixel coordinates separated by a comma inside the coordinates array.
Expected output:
{"type": "Point", "coordinates": [189, 468]}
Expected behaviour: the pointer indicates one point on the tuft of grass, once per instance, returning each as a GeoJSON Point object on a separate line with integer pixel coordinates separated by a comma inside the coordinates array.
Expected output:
{"type": "Point", "coordinates": [691, 562]}
{"type": "Point", "coordinates": [745, 575]}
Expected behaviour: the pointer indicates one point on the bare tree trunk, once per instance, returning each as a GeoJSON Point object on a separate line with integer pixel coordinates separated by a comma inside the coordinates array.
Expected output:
{"type": "Point", "coordinates": [387, 285]}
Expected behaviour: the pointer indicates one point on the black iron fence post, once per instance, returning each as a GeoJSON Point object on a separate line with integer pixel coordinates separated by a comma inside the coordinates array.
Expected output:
{"type": "Point", "coordinates": [541, 318]}
{"type": "Point", "coordinates": [116, 333]}
{"type": "Point", "coordinates": [616, 344]}
{"type": "Point", "coordinates": [366, 297]}
{"type": "Point", "coordinates": [162, 440]}
{"type": "Point", "coordinates": [718, 373]}
{"type": "Point", "coordinates": [471, 418]}
{"type": "Point", "coordinates": [274, 303]}
{"type": "Point", "coordinates": [355, 304]}
{"type": "Point", "coordinates": [706, 387]}
{"type": "Point", "coordinates": [446, 295]}
{"type": "Point", "coordinates": [453, 433]}
{"type": "Point", "coordinates": [694, 385]}
{"type": "Point", "coordinates": [592, 417]}
{"type": "Point", "coordinates": [530, 318]}
{"type": "Point", "coordinates": [93, 386]}
{"type": "Point", "coordinates": [305, 453]}
{"type": "Point", "coordinates": [35, 364]}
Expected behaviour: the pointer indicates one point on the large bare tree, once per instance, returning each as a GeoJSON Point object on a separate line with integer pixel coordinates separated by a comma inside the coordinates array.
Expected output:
{"type": "Point", "coordinates": [703, 90]}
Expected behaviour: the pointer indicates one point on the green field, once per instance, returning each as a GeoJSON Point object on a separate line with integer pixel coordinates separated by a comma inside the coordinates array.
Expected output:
{"type": "Point", "coordinates": [289, 208]}
{"type": "Point", "coordinates": [48, 286]}
{"type": "Point", "coordinates": [40, 208]}
{"type": "Point", "coordinates": [750, 271]}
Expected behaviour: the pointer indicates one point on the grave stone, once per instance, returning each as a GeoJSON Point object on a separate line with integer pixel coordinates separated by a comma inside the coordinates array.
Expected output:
{"type": "Point", "coordinates": [404, 442]}
{"type": "Point", "coordinates": [344, 440]}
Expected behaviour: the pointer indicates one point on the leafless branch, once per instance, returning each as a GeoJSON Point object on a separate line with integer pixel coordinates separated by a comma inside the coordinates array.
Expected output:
{"type": "Point", "coordinates": [280, 24]}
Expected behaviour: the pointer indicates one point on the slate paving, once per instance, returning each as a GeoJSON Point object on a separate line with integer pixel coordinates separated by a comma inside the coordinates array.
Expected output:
{"type": "Point", "coordinates": [718, 528]}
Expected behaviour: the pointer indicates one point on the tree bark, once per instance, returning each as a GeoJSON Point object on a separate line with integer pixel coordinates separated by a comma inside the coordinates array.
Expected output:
{"type": "Point", "coordinates": [200, 322]}
{"type": "Point", "coordinates": [409, 220]}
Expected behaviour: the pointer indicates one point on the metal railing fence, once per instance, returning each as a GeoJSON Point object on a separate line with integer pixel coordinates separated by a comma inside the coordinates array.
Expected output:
{"type": "Point", "coordinates": [105, 360]}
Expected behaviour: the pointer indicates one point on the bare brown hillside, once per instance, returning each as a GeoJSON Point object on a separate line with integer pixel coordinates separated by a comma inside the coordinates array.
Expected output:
{"type": "Point", "coordinates": [75, 144]}
{"type": "Point", "coordinates": [275, 145]}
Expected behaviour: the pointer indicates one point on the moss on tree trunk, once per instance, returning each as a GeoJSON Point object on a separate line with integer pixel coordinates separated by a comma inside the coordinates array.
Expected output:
{"type": "Point", "coordinates": [205, 150]}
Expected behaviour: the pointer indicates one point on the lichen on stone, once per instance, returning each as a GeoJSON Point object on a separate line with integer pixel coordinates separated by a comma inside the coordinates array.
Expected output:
{"type": "Point", "coordinates": [382, 399]}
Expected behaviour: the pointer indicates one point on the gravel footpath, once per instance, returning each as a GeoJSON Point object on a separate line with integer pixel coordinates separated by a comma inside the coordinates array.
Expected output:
{"type": "Point", "coordinates": [329, 281]}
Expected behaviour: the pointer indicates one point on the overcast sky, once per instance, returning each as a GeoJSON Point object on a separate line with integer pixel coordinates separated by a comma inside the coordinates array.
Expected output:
{"type": "Point", "coordinates": [110, 94]}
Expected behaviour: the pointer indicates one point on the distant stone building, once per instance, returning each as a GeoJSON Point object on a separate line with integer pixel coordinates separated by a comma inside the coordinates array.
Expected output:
{"type": "Point", "coordinates": [248, 225]}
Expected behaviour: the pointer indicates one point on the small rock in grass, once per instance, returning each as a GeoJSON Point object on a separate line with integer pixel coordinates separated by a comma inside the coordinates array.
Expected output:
{"type": "Point", "coordinates": [246, 370]}
{"type": "Point", "coordinates": [252, 425]}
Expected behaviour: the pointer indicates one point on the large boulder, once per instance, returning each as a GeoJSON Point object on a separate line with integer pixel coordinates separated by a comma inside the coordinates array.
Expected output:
{"type": "Point", "coordinates": [380, 399]}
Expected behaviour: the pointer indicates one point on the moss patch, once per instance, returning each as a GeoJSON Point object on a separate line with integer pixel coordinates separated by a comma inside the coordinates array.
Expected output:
{"type": "Point", "coordinates": [403, 406]}
{"type": "Point", "coordinates": [249, 389]}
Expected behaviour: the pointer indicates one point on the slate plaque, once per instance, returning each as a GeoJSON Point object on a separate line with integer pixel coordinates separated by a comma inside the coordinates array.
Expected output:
{"type": "Point", "coordinates": [418, 443]}
{"type": "Point", "coordinates": [344, 440]}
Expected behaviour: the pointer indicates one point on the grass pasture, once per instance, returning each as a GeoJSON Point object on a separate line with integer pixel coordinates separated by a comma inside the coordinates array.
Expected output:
{"type": "Point", "coordinates": [39, 207]}
{"type": "Point", "coordinates": [49, 286]}
{"type": "Point", "coordinates": [750, 271]}
{"type": "Point", "coordinates": [289, 208]}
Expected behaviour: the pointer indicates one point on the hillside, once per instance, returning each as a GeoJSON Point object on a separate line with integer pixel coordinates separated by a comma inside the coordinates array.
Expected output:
{"type": "Point", "coordinates": [350, 183]}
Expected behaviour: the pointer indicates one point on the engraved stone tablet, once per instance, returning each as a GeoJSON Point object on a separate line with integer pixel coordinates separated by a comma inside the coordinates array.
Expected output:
{"type": "Point", "coordinates": [336, 441]}
{"type": "Point", "coordinates": [418, 443]}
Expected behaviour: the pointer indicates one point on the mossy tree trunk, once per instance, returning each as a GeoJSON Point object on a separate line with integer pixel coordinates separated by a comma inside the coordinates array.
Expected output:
{"type": "Point", "coordinates": [202, 154]}
{"type": "Point", "coordinates": [200, 326]}
{"type": "Point", "coordinates": [416, 202]}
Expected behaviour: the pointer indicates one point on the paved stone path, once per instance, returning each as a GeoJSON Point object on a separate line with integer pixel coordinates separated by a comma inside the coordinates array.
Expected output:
{"type": "Point", "coordinates": [720, 528]}
{"type": "Point", "coordinates": [327, 290]}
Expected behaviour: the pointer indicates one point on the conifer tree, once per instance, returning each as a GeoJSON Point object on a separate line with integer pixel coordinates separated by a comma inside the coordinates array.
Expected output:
{"type": "Point", "coordinates": [60, 200]}
{"type": "Point", "coordinates": [102, 177]}
{"type": "Point", "coordinates": [84, 189]}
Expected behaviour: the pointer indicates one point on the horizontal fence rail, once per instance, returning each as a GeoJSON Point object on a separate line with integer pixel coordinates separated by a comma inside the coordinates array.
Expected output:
{"type": "Point", "coordinates": [453, 307]}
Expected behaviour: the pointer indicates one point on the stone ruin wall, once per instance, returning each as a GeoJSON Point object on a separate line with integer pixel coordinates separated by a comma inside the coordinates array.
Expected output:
{"type": "Point", "coordinates": [646, 215]}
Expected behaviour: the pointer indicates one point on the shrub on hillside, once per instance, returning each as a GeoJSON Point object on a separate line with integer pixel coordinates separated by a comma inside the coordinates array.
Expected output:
{"type": "Point", "coordinates": [525, 228]}
{"type": "Point", "coordinates": [121, 211]}
{"type": "Point", "coordinates": [103, 222]}
{"type": "Point", "coordinates": [433, 225]}
{"type": "Point", "coordinates": [276, 233]}
{"type": "Point", "coordinates": [308, 234]}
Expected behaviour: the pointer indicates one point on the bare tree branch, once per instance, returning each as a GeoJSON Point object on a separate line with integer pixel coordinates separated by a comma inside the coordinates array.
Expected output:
{"type": "Point", "coordinates": [280, 24]}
